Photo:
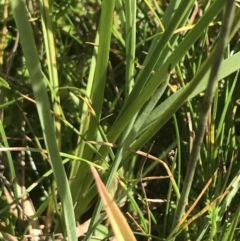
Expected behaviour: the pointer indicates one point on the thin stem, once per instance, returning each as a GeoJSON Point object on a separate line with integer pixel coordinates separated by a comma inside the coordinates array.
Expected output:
{"type": "Point", "coordinates": [207, 102]}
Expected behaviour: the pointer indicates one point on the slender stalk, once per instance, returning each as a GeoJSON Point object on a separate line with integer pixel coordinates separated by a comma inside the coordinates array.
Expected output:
{"type": "Point", "coordinates": [207, 102]}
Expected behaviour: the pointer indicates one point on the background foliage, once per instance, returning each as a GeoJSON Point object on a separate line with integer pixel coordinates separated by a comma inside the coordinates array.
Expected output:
{"type": "Point", "coordinates": [119, 85]}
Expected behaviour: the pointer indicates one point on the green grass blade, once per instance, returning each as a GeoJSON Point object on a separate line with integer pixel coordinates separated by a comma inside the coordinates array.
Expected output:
{"type": "Point", "coordinates": [43, 107]}
{"type": "Point", "coordinates": [130, 44]}
{"type": "Point", "coordinates": [83, 179]}
{"type": "Point", "coordinates": [228, 67]}
{"type": "Point", "coordinates": [52, 65]}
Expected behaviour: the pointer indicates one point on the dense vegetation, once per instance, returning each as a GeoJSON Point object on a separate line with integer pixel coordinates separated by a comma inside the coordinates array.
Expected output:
{"type": "Point", "coordinates": [120, 85]}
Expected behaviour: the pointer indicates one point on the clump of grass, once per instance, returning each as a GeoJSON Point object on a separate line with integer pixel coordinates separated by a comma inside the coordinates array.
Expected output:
{"type": "Point", "coordinates": [118, 85]}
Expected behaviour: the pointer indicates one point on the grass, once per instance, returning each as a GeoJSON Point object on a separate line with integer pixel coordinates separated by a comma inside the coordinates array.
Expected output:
{"type": "Point", "coordinates": [121, 86]}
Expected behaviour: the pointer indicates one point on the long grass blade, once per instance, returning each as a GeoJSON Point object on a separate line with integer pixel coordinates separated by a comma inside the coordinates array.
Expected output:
{"type": "Point", "coordinates": [43, 107]}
